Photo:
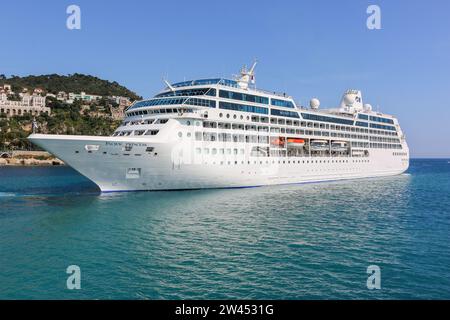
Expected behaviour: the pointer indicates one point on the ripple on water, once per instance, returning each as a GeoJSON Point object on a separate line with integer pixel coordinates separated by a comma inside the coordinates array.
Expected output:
{"type": "Point", "coordinates": [292, 242]}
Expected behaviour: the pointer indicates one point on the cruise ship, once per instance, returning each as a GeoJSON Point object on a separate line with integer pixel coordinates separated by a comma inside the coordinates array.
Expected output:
{"type": "Point", "coordinates": [226, 133]}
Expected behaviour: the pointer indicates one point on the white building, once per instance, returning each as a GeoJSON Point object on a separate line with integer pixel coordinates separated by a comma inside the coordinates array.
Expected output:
{"type": "Point", "coordinates": [6, 88]}
{"type": "Point", "coordinates": [82, 96]}
{"type": "Point", "coordinates": [62, 96]}
{"type": "Point", "coordinates": [29, 104]}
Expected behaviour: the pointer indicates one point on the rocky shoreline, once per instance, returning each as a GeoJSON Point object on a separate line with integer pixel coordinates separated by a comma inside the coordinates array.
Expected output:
{"type": "Point", "coordinates": [29, 158]}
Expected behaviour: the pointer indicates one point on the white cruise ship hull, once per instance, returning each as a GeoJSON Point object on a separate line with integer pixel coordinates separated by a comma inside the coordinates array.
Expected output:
{"type": "Point", "coordinates": [141, 163]}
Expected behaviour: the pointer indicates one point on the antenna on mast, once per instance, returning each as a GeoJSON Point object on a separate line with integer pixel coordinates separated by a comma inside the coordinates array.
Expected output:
{"type": "Point", "coordinates": [252, 69]}
{"type": "Point", "coordinates": [168, 85]}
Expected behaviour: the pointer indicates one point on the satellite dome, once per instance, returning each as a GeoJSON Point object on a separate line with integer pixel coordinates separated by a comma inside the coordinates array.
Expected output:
{"type": "Point", "coordinates": [314, 103]}
{"type": "Point", "coordinates": [367, 107]}
{"type": "Point", "coordinates": [349, 99]}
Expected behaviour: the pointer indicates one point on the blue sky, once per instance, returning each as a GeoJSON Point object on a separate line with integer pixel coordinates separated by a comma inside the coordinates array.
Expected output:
{"type": "Point", "coordinates": [304, 48]}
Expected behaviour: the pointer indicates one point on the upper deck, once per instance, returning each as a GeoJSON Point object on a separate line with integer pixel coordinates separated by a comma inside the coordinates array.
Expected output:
{"type": "Point", "coordinates": [240, 100]}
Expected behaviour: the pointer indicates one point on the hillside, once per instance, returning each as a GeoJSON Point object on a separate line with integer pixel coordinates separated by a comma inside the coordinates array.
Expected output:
{"type": "Point", "coordinates": [85, 118]}
{"type": "Point", "coordinates": [53, 83]}
{"type": "Point", "coordinates": [65, 119]}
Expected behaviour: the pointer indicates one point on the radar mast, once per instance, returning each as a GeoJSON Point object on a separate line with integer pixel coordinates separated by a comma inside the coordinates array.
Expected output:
{"type": "Point", "coordinates": [246, 76]}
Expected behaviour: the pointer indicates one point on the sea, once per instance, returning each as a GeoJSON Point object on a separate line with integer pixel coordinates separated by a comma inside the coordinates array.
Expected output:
{"type": "Point", "coordinates": [306, 241]}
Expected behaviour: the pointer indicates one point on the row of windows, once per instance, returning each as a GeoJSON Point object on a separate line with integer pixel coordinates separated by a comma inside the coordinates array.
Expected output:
{"type": "Point", "coordinates": [174, 101]}
{"type": "Point", "coordinates": [362, 124]}
{"type": "Point", "coordinates": [201, 102]}
{"type": "Point", "coordinates": [236, 126]}
{"type": "Point", "coordinates": [227, 137]}
{"type": "Point", "coordinates": [316, 117]}
{"type": "Point", "coordinates": [215, 151]}
{"type": "Point", "coordinates": [241, 107]}
{"type": "Point", "coordinates": [281, 103]}
{"type": "Point", "coordinates": [148, 121]}
{"type": "Point", "coordinates": [158, 102]}
{"type": "Point", "coordinates": [223, 93]}
{"type": "Point", "coordinates": [135, 132]}
{"type": "Point", "coordinates": [385, 146]}
{"type": "Point", "coordinates": [159, 111]}
{"type": "Point", "coordinates": [382, 126]}
{"type": "Point", "coordinates": [243, 97]}
{"type": "Point", "coordinates": [189, 92]}
{"type": "Point", "coordinates": [313, 124]}
{"type": "Point", "coordinates": [280, 121]}
{"type": "Point", "coordinates": [380, 119]}
{"type": "Point", "coordinates": [204, 82]}
{"type": "Point", "coordinates": [283, 113]}
{"type": "Point", "coordinates": [220, 151]}
{"type": "Point", "coordinates": [200, 82]}
{"type": "Point", "coordinates": [359, 144]}
{"type": "Point", "coordinates": [241, 126]}
{"type": "Point", "coordinates": [363, 116]}
{"type": "Point", "coordinates": [384, 139]}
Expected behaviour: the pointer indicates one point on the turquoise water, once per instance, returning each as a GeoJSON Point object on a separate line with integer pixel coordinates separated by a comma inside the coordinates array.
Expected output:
{"type": "Point", "coordinates": [311, 241]}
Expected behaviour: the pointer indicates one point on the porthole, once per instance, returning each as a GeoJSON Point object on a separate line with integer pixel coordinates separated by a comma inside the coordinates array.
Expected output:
{"type": "Point", "coordinates": [180, 134]}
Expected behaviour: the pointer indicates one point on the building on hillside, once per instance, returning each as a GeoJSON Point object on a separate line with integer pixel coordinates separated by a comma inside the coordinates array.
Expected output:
{"type": "Point", "coordinates": [117, 113]}
{"type": "Point", "coordinates": [83, 96]}
{"type": "Point", "coordinates": [38, 91]}
{"type": "Point", "coordinates": [121, 101]}
{"type": "Point", "coordinates": [62, 96]}
{"type": "Point", "coordinates": [6, 88]}
{"type": "Point", "coordinates": [29, 104]}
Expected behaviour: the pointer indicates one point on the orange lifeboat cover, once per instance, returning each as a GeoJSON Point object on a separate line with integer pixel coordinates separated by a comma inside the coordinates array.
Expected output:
{"type": "Point", "coordinates": [296, 140]}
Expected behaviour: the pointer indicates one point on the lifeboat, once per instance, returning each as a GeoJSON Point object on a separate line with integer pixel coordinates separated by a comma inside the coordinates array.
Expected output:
{"type": "Point", "coordinates": [278, 141]}
{"type": "Point", "coordinates": [295, 142]}
{"type": "Point", "coordinates": [339, 146]}
{"type": "Point", "coordinates": [319, 145]}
